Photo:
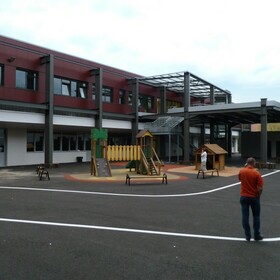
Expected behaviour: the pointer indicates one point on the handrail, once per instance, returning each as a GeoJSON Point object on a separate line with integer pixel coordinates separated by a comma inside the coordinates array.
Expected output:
{"type": "Point", "coordinates": [157, 169]}
{"type": "Point", "coordinates": [145, 162]}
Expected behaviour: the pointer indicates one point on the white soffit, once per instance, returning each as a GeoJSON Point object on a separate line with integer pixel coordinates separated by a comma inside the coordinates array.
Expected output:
{"type": "Point", "coordinates": [21, 117]}
{"type": "Point", "coordinates": [116, 124]}
{"type": "Point", "coordinates": [73, 121]}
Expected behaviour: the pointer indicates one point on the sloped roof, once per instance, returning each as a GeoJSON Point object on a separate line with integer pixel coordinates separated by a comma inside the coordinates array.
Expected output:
{"type": "Point", "coordinates": [144, 133]}
{"type": "Point", "coordinates": [216, 149]}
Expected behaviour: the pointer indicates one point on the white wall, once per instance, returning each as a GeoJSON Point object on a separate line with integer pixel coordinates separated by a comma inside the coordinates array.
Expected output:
{"type": "Point", "coordinates": [67, 157]}
{"type": "Point", "coordinates": [16, 146]}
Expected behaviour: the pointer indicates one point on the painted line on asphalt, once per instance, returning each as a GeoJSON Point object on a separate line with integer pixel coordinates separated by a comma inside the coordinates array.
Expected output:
{"type": "Point", "coordinates": [129, 230]}
{"type": "Point", "coordinates": [131, 195]}
{"type": "Point", "coordinates": [120, 194]}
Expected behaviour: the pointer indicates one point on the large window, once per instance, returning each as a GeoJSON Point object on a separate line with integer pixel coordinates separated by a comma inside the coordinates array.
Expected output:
{"type": "Point", "coordinates": [93, 91]}
{"type": "Point", "coordinates": [2, 140]}
{"type": "Point", "coordinates": [56, 142]}
{"type": "Point", "coordinates": [1, 75]}
{"type": "Point", "coordinates": [107, 94]}
{"type": "Point", "coordinates": [35, 142]}
{"type": "Point", "coordinates": [146, 102]}
{"type": "Point", "coordinates": [122, 96]}
{"type": "Point", "coordinates": [70, 142]}
{"type": "Point", "coordinates": [130, 98]}
{"type": "Point", "coordinates": [61, 142]}
{"type": "Point", "coordinates": [69, 87]}
{"type": "Point", "coordinates": [26, 79]}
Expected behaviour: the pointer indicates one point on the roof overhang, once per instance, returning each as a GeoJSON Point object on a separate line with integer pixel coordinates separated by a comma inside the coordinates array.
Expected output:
{"type": "Point", "coordinates": [233, 114]}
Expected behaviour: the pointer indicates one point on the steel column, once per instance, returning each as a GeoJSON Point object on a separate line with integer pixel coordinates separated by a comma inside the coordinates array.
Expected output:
{"type": "Point", "coordinates": [163, 108]}
{"type": "Point", "coordinates": [135, 100]}
{"type": "Point", "coordinates": [98, 97]}
{"type": "Point", "coordinates": [263, 130]}
{"type": "Point", "coordinates": [186, 100]}
{"type": "Point", "coordinates": [49, 61]}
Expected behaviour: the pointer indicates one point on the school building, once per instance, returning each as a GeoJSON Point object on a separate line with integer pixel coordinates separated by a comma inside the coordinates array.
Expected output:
{"type": "Point", "coordinates": [50, 101]}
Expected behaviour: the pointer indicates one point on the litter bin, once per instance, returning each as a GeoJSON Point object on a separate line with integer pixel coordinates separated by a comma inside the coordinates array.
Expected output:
{"type": "Point", "coordinates": [79, 159]}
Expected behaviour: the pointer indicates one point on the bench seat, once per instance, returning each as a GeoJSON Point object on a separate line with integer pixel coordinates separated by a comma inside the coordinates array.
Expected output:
{"type": "Point", "coordinates": [203, 172]}
{"type": "Point", "coordinates": [129, 177]}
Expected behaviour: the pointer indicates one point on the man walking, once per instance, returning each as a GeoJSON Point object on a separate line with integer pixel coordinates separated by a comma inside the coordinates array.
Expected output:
{"type": "Point", "coordinates": [250, 192]}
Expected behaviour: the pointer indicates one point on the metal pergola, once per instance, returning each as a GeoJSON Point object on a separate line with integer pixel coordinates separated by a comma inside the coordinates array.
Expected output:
{"type": "Point", "coordinates": [175, 82]}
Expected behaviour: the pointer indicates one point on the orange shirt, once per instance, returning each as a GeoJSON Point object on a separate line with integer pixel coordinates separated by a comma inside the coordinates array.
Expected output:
{"type": "Point", "coordinates": [251, 182]}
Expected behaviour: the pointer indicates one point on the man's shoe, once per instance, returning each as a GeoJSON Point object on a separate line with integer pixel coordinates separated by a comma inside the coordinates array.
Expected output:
{"type": "Point", "coordinates": [248, 238]}
{"type": "Point", "coordinates": [258, 238]}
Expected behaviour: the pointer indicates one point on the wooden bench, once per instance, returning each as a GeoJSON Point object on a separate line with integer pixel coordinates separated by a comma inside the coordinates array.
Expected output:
{"type": "Point", "coordinates": [46, 173]}
{"type": "Point", "coordinates": [129, 177]}
{"type": "Point", "coordinates": [40, 169]}
{"type": "Point", "coordinates": [203, 172]}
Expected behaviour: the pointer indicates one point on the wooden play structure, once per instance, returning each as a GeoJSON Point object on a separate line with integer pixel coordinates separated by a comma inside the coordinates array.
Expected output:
{"type": "Point", "coordinates": [149, 163]}
{"type": "Point", "coordinates": [142, 157]}
{"type": "Point", "coordinates": [215, 157]}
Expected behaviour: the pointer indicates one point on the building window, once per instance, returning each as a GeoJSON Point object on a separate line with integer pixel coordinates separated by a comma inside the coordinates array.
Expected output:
{"type": "Point", "coordinates": [1, 75]}
{"type": "Point", "coordinates": [57, 142]}
{"type": "Point", "coordinates": [93, 91]}
{"type": "Point", "coordinates": [65, 87]}
{"type": "Point", "coordinates": [26, 79]}
{"type": "Point", "coordinates": [2, 140]}
{"type": "Point", "coordinates": [130, 98]}
{"type": "Point", "coordinates": [107, 94]}
{"type": "Point", "coordinates": [71, 88]}
{"type": "Point", "coordinates": [146, 102]}
{"type": "Point", "coordinates": [82, 89]}
{"type": "Point", "coordinates": [35, 142]}
{"type": "Point", "coordinates": [122, 96]}
{"type": "Point", "coordinates": [67, 142]}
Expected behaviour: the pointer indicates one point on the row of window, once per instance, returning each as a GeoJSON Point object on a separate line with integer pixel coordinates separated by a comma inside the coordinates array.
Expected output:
{"type": "Point", "coordinates": [61, 142]}
{"type": "Point", "coordinates": [27, 79]}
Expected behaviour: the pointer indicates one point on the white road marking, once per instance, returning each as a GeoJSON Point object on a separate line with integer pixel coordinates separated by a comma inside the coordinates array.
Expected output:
{"type": "Point", "coordinates": [131, 230]}
{"type": "Point", "coordinates": [119, 194]}
{"type": "Point", "coordinates": [127, 229]}
{"type": "Point", "coordinates": [131, 195]}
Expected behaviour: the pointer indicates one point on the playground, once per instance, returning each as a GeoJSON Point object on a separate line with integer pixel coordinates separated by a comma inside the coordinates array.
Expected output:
{"type": "Point", "coordinates": [74, 228]}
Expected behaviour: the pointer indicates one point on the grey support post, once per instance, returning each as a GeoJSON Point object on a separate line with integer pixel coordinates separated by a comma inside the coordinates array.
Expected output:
{"type": "Point", "coordinates": [99, 91]}
{"type": "Point", "coordinates": [186, 101]}
{"type": "Point", "coordinates": [163, 108]}
{"type": "Point", "coordinates": [263, 130]}
{"type": "Point", "coordinates": [49, 61]}
{"type": "Point", "coordinates": [135, 98]}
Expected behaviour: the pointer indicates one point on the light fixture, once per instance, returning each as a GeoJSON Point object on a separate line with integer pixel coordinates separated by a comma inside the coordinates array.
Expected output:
{"type": "Point", "coordinates": [11, 59]}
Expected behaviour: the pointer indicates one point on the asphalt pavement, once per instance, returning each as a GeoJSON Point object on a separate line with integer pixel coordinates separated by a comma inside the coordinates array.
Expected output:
{"type": "Point", "coordinates": [75, 227]}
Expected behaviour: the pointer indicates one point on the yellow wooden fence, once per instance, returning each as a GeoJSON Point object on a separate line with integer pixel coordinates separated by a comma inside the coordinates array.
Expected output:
{"type": "Point", "coordinates": [123, 153]}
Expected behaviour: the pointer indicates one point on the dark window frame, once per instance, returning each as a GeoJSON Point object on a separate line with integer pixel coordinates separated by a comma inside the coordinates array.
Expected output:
{"type": "Point", "coordinates": [35, 141]}
{"type": "Point", "coordinates": [29, 80]}
{"type": "Point", "coordinates": [122, 96]}
{"type": "Point", "coordinates": [107, 94]}
{"type": "Point", "coordinates": [69, 87]}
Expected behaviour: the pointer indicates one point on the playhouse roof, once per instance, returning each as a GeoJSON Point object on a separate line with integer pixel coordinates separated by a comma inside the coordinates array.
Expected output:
{"type": "Point", "coordinates": [214, 148]}
{"type": "Point", "coordinates": [144, 133]}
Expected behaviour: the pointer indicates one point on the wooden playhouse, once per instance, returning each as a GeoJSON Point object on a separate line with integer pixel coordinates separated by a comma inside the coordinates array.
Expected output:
{"type": "Point", "coordinates": [216, 156]}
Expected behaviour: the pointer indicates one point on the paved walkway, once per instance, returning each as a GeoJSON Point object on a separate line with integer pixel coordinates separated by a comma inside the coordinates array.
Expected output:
{"type": "Point", "coordinates": [173, 172]}
{"type": "Point", "coordinates": [72, 227]}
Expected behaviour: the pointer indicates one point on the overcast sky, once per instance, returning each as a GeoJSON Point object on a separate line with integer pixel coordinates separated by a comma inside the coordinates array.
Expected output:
{"type": "Point", "coordinates": [234, 44]}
